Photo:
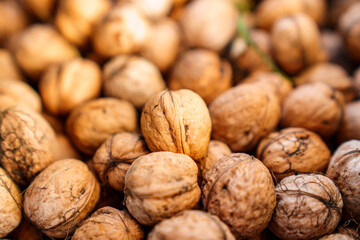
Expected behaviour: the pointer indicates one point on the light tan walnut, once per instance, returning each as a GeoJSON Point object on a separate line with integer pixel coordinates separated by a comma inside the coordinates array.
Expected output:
{"type": "Point", "coordinates": [13, 18]}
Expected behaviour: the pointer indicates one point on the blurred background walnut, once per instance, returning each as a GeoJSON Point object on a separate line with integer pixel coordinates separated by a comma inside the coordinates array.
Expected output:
{"type": "Point", "coordinates": [154, 9]}
{"type": "Point", "coordinates": [8, 66]}
{"type": "Point", "coordinates": [216, 150]}
{"type": "Point", "coordinates": [350, 124]}
{"type": "Point", "coordinates": [42, 9]}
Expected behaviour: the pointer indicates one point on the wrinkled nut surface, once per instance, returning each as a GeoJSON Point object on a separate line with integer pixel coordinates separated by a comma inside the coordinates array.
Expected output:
{"type": "Point", "coordinates": [132, 78]}
{"type": "Point", "coordinates": [216, 150]}
{"type": "Point", "coordinates": [315, 106]}
{"type": "Point", "coordinates": [114, 157]}
{"type": "Point", "coordinates": [189, 225]}
{"type": "Point", "coordinates": [109, 223]}
{"type": "Point", "coordinates": [344, 170]}
{"type": "Point", "coordinates": [154, 9]}
{"type": "Point", "coordinates": [64, 86]}
{"type": "Point", "coordinates": [350, 124]}
{"type": "Point", "coordinates": [308, 207]}
{"type": "Point", "coordinates": [177, 121]}
{"type": "Point", "coordinates": [61, 196]}
{"type": "Point", "coordinates": [8, 67]}
{"type": "Point", "coordinates": [240, 191]}
{"type": "Point", "coordinates": [173, 186]}
{"type": "Point", "coordinates": [292, 151]}
{"type": "Point", "coordinates": [91, 123]}
{"type": "Point", "coordinates": [10, 204]}
{"type": "Point", "coordinates": [27, 143]}
{"type": "Point", "coordinates": [242, 115]}
{"type": "Point", "coordinates": [203, 72]}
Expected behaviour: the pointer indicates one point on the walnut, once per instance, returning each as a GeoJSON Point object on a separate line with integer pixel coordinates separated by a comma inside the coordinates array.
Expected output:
{"type": "Point", "coordinates": [109, 223]}
{"type": "Point", "coordinates": [337, 236]}
{"type": "Point", "coordinates": [159, 185]}
{"type": "Point", "coordinates": [242, 115]}
{"type": "Point", "coordinates": [132, 78]}
{"type": "Point", "coordinates": [177, 121]}
{"type": "Point", "coordinates": [344, 170]}
{"type": "Point", "coordinates": [203, 72]}
{"type": "Point", "coordinates": [308, 207]}
{"type": "Point", "coordinates": [8, 67]}
{"type": "Point", "coordinates": [10, 204]}
{"type": "Point", "coordinates": [191, 224]}
{"type": "Point", "coordinates": [315, 106]}
{"type": "Point", "coordinates": [42, 9]}
{"type": "Point", "coordinates": [240, 191]}
{"type": "Point", "coordinates": [350, 124]}
{"type": "Point", "coordinates": [66, 85]}
{"type": "Point", "coordinates": [91, 123]}
{"type": "Point", "coordinates": [211, 29]}
{"type": "Point", "coordinates": [13, 18]}
{"type": "Point", "coordinates": [296, 42]}
{"type": "Point", "coordinates": [357, 82]}
{"type": "Point", "coordinates": [114, 157]}
{"type": "Point", "coordinates": [27, 143]}
{"type": "Point", "coordinates": [65, 148]}
{"type": "Point", "coordinates": [333, 47]}
{"type": "Point", "coordinates": [61, 196]}
{"type": "Point", "coordinates": [293, 150]}
{"type": "Point", "coordinates": [216, 150]}
{"type": "Point", "coordinates": [154, 9]}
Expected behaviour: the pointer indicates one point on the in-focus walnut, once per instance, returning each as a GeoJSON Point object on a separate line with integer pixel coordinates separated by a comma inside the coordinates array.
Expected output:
{"type": "Point", "coordinates": [315, 106]}
{"type": "Point", "coordinates": [163, 45]}
{"type": "Point", "coordinates": [65, 148]}
{"type": "Point", "coordinates": [350, 124]}
{"type": "Point", "coordinates": [203, 72]}
{"type": "Point", "coordinates": [357, 82]}
{"type": "Point", "coordinates": [20, 93]}
{"type": "Point", "coordinates": [177, 121]}
{"type": "Point", "coordinates": [337, 236]}
{"type": "Point", "coordinates": [160, 185]}
{"type": "Point", "coordinates": [216, 150]}
{"type": "Point", "coordinates": [132, 78]}
{"type": "Point", "coordinates": [296, 42]}
{"type": "Point", "coordinates": [154, 9]}
{"type": "Point", "coordinates": [8, 67]}
{"type": "Point", "coordinates": [124, 30]}
{"type": "Point", "coordinates": [292, 151]}
{"type": "Point", "coordinates": [329, 73]}
{"type": "Point", "coordinates": [10, 204]}
{"type": "Point", "coordinates": [42, 9]}
{"type": "Point", "coordinates": [64, 86]}
{"type": "Point", "coordinates": [109, 223]}
{"type": "Point", "coordinates": [77, 22]}
{"type": "Point", "coordinates": [344, 170]}
{"type": "Point", "coordinates": [114, 157]}
{"type": "Point", "coordinates": [27, 143]}
{"type": "Point", "coordinates": [211, 29]}
{"type": "Point", "coordinates": [242, 115]}
{"type": "Point", "coordinates": [13, 18]}
{"type": "Point", "coordinates": [91, 123]}
{"type": "Point", "coordinates": [240, 191]}
{"type": "Point", "coordinates": [39, 46]}
{"type": "Point", "coordinates": [191, 224]}
{"type": "Point", "coordinates": [308, 207]}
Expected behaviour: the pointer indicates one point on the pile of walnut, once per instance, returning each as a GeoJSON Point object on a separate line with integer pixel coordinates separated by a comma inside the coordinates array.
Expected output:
{"type": "Point", "coordinates": [180, 119]}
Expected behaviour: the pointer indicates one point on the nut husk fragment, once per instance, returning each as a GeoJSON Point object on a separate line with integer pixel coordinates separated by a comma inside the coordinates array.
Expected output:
{"type": "Point", "coordinates": [350, 124]}
{"type": "Point", "coordinates": [173, 186]}
{"type": "Point", "coordinates": [240, 191]}
{"type": "Point", "coordinates": [189, 225]}
{"type": "Point", "coordinates": [308, 207]}
{"type": "Point", "coordinates": [109, 223]}
{"type": "Point", "coordinates": [61, 196]}
{"type": "Point", "coordinates": [216, 150]}
{"type": "Point", "coordinates": [8, 67]}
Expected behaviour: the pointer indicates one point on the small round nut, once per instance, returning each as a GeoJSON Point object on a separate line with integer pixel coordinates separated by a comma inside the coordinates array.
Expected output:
{"type": "Point", "coordinates": [114, 157]}
{"type": "Point", "coordinates": [308, 207]}
{"type": "Point", "coordinates": [10, 204]}
{"type": "Point", "coordinates": [216, 150]}
{"type": "Point", "coordinates": [177, 121]}
{"type": "Point", "coordinates": [109, 223]}
{"type": "Point", "coordinates": [240, 191]}
{"type": "Point", "coordinates": [13, 18]}
{"type": "Point", "coordinates": [132, 78]}
{"type": "Point", "coordinates": [92, 122]}
{"type": "Point", "coordinates": [154, 9]}
{"type": "Point", "coordinates": [203, 72]}
{"type": "Point", "coordinates": [61, 196]}
{"type": "Point", "coordinates": [191, 224]}
{"type": "Point", "coordinates": [8, 67]}
{"type": "Point", "coordinates": [292, 151]}
{"type": "Point", "coordinates": [350, 124]}
{"type": "Point", "coordinates": [172, 189]}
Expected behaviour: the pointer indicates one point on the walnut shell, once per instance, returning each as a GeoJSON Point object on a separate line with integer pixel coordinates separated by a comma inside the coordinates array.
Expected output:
{"type": "Point", "coordinates": [8, 66]}
{"type": "Point", "coordinates": [27, 145]}
{"type": "Point", "coordinates": [189, 225]}
{"type": "Point", "coordinates": [13, 18]}
{"type": "Point", "coordinates": [240, 191]}
{"type": "Point", "coordinates": [357, 82]}
{"type": "Point", "coordinates": [337, 236]}
{"type": "Point", "coordinates": [292, 151]}
{"type": "Point", "coordinates": [315, 106]}
{"type": "Point", "coordinates": [344, 170]}
{"type": "Point", "coordinates": [132, 78]}
{"type": "Point", "coordinates": [177, 121]}
{"type": "Point", "coordinates": [61, 196]}
{"type": "Point", "coordinates": [109, 223]}
{"type": "Point", "coordinates": [10, 204]}
{"type": "Point", "coordinates": [42, 9]}
{"type": "Point", "coordinates": [350, 124]}
{"type": "Point", "coordinates": [154, 9]}
{"type": "Point", "coordinates": [65, 148]}
{"type": "Point", "coordinates": [242, 115]}
{"type": "Point", "coordinates": [308, 207]}
{"type": "Point", "coordinates": [114, 157]}
{"type": "Point", "coordinates": [64, 86]}
{"type": "Point", "coordinates": [203, 72]}
{"type": "Point", "coordinates": [216, 150]}
{"type": "Point", "coordinates": [159, 185]}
